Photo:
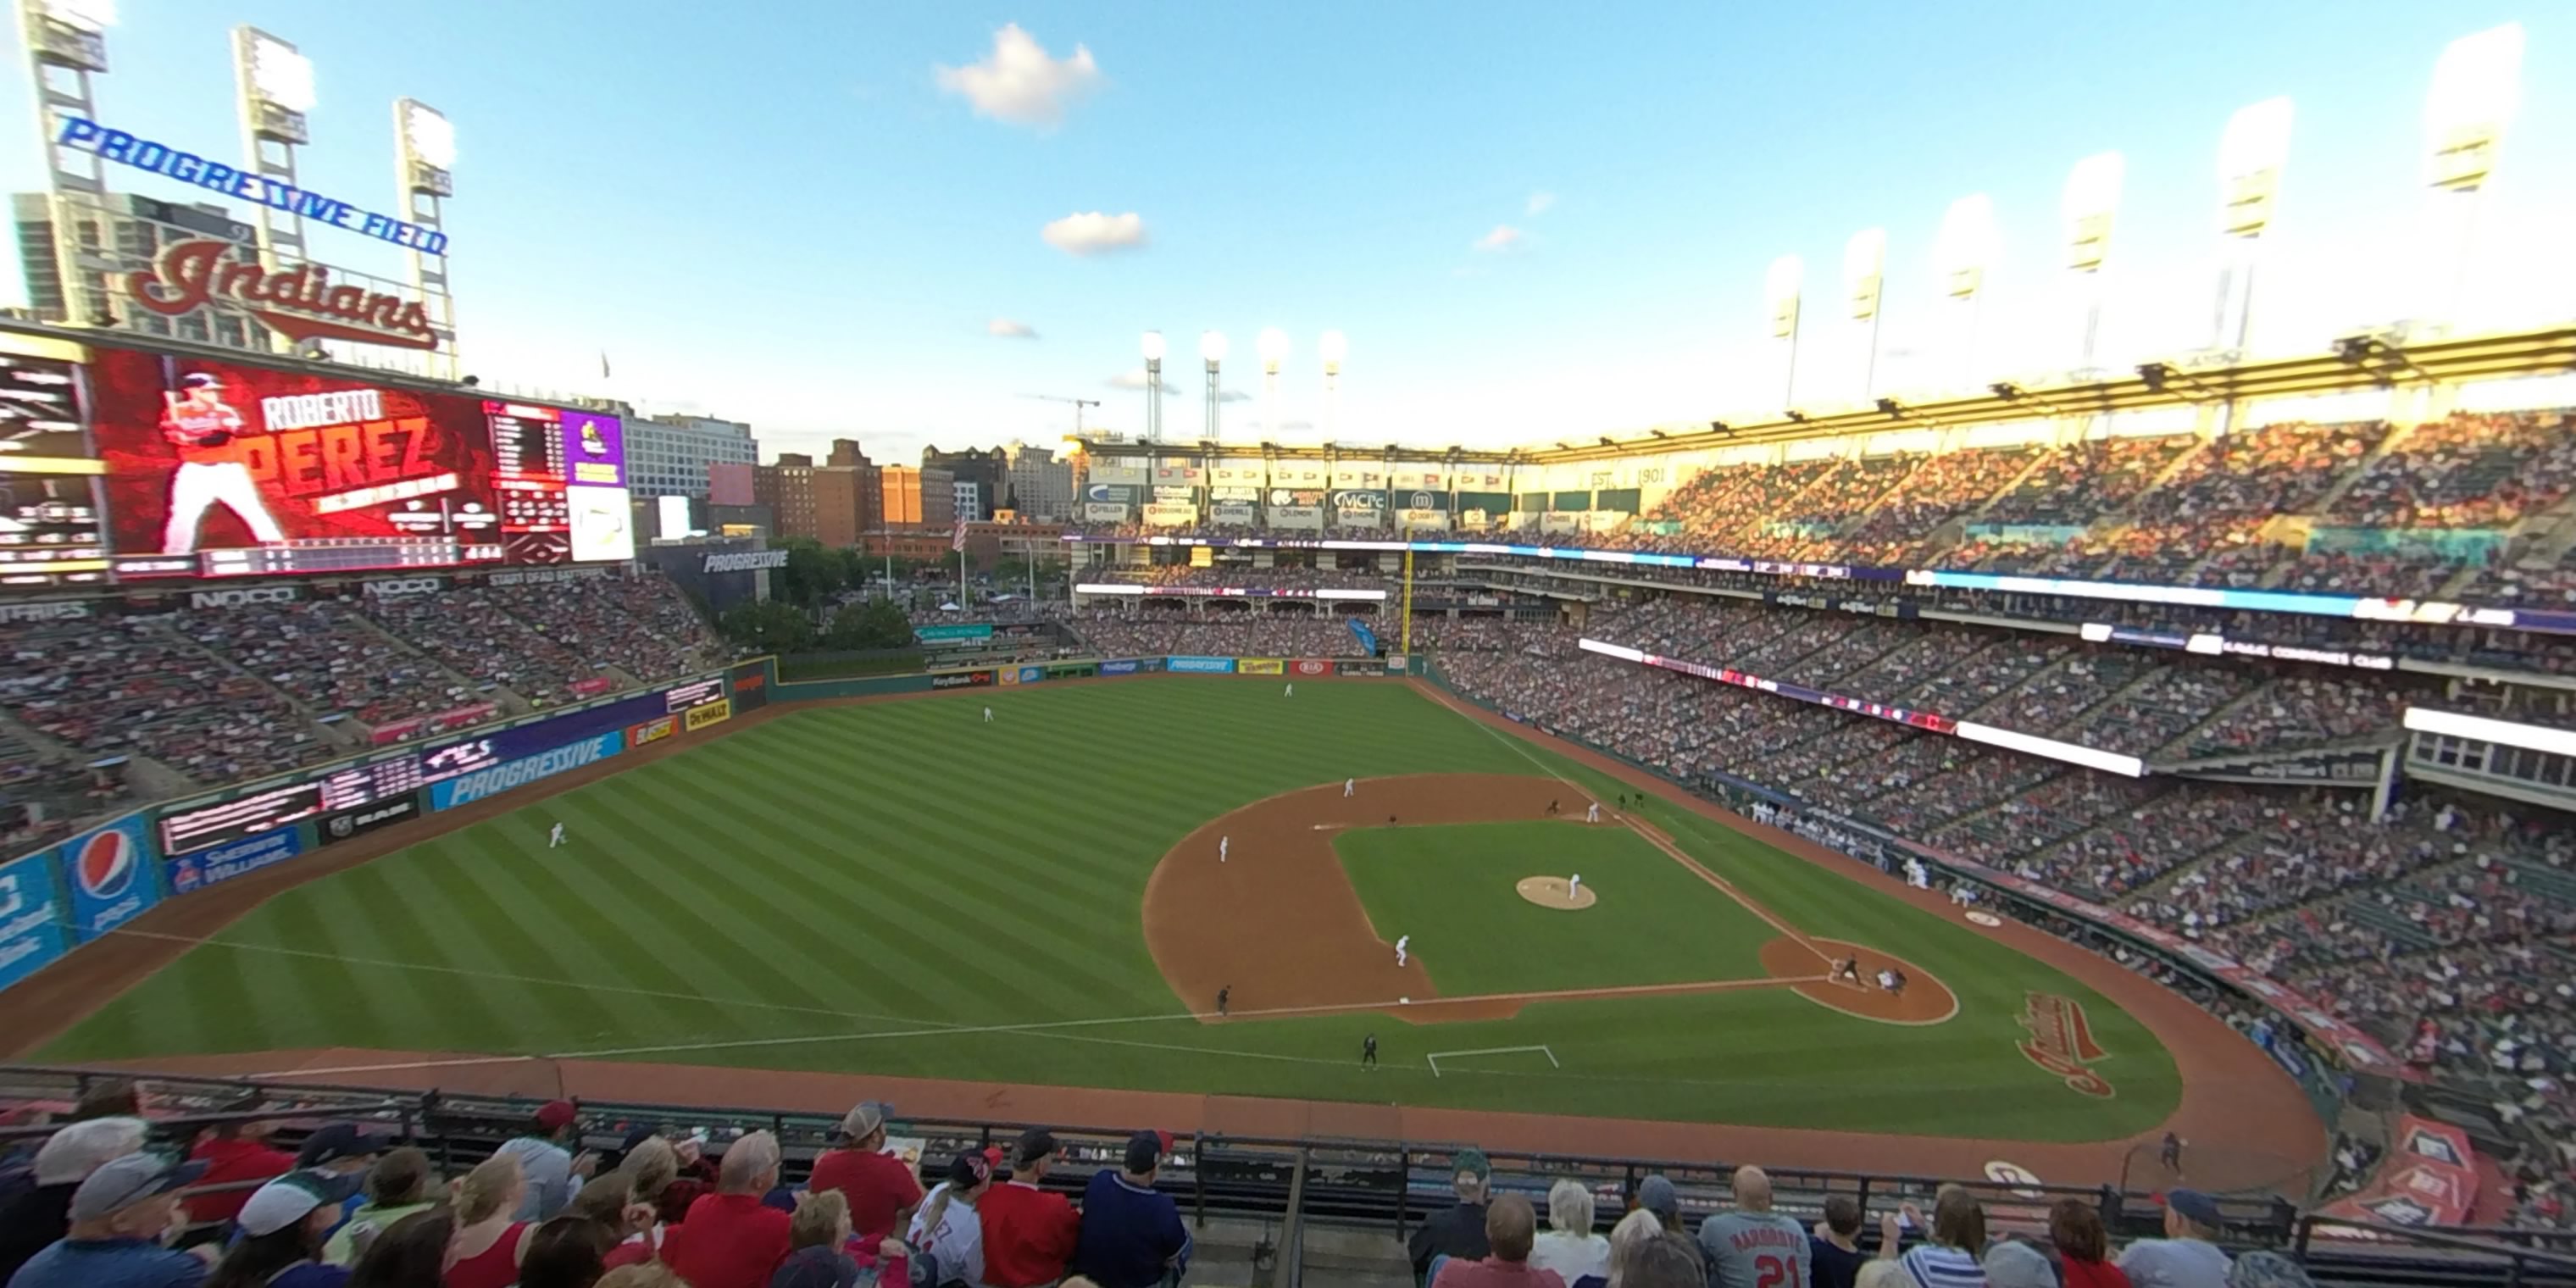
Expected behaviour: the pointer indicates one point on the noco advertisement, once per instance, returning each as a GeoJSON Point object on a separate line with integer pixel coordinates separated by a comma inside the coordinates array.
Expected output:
{"type": "Point", "coordinates": [150, 465]}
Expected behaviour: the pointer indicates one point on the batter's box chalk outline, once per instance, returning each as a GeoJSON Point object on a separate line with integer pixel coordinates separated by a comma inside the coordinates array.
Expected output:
{"type": "Point", "coordinates": [1434, 1057]}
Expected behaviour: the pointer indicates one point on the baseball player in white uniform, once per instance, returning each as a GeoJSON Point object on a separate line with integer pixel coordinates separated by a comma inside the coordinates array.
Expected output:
{"type": "Point", "coordinates": [1223, 843]}
{"type": "Point", "coordinates": [196, 420]}
{"type": "Point", "coordinates": [1593, 815]}
{"type": "Point", "coordinates": [1574, 888]}
{"type": "Point", "coordinates": [1291, 692]}
{"type": "Point", "coordinates": [988, 715]}
{"type": "Point", "coordinates": [1401, 941]}
{"type": "Point", "coordinates": [1350, 786]}
{"type": "Point", "coordinates": [555, 837]}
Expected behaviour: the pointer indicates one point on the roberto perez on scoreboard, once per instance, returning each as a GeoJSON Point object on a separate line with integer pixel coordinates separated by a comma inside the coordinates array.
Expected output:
{"type": "Point", "coordinates": [291, 462]}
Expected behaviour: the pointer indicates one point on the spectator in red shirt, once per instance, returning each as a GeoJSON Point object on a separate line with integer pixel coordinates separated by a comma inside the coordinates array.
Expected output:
{"type": "Point", "coordinates": [732, 1239]}
{"type": "Point", "coordinates": [882, 1189]}
{"type": "Point", "coordinates": [1029, 1233]}
{"type": "Point", "coordinates": [236, 1154]}
{"type": "Point", "coordinates": [1511, 1228]}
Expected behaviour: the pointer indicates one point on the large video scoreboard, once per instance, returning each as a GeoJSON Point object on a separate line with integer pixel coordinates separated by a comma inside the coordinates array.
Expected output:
{"type": "Point", "coordinates": [126, 464]}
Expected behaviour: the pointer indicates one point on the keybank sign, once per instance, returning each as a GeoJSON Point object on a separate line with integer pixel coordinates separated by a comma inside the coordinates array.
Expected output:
{"type": "Point", "coordinates": [519, 773]}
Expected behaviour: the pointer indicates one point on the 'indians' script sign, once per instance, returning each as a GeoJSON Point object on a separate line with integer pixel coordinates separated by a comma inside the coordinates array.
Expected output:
{"type": "Point", "coordinates": [299, 302]}
{"type": "Point", "coordinates": [2061, 1041]}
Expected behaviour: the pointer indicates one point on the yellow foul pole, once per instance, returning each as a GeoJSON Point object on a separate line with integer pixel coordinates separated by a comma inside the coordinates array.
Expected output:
{"type": "Point", "coordinates": [1407, 640]}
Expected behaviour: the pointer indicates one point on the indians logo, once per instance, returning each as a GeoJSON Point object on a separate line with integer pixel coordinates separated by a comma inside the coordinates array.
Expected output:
{"type": "Point", "coordinates": [106, 865]}
{"type": "Point", "coordinates": [2061, 1041]}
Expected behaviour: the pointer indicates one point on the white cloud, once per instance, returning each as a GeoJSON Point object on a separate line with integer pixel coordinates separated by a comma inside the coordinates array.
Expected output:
{"type": "Point", "coordinates": [1540, 201]}
{"type": "Point", "coordinates": [1006, 329]}
{"type": "Point", "coordinates": [1020, 83]}
{"type": "Point", "coordinates": [1503, 238]}
{"type": "Point", "coordinates": [1094, 233]}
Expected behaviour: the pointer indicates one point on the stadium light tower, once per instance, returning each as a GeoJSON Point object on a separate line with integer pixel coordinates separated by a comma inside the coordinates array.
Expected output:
{"type": "Point", "coordinates": [1965, 251]}
{"type": "Point", "coordinates": [1273, 346]}
{"type": "Point", "coordinates": [66, 43]}
{"type": "Point", "coordinates": [274, 90]}
{"type": "Point", "coordinates": [2477, 87]}
{"type": "Point", "coordinates": [424, 178]}
{"type": "Point", "coordinates": [1780, 300]}
{"type": "Point", "coordinates": [1212, 352]}
{"type": "Point", "coordinates": [2251, 155]}
{"type": "Point", "coordinates": [1864, 271]}
{"type": "Point", "coordinates": [1333, 347]}
{"type": "Point", "coordinates": [1153, 348]}
{"type": "Point", "coordinates": [2092, 197]}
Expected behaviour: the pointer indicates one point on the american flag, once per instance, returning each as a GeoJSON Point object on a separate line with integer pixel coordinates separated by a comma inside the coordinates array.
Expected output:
{"type": "Point", "coordinates": [957, 539]}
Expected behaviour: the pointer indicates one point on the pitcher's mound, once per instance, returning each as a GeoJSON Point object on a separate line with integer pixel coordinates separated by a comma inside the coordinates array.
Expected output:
{"type": "Point", "coordinates": [1551, 892]}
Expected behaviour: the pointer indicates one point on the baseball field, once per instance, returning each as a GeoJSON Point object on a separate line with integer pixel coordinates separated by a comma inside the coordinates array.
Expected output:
{"type": "Point", "coordinates": [902, 888]}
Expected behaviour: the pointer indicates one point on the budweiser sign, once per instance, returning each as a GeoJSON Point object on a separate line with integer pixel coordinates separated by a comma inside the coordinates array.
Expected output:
{"type": "Point", "coordinates": [299, 303]}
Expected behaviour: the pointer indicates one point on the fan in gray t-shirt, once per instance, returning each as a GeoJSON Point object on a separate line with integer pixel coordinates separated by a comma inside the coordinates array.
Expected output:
{"type": "Point", "coordinates": [1753, 1246]}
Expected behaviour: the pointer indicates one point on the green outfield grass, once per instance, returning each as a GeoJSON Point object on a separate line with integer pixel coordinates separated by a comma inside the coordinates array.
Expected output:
{"type": "Point", "coordinates": [901, 888]}
{"type": "Point", "coordinates": [1454, 890]}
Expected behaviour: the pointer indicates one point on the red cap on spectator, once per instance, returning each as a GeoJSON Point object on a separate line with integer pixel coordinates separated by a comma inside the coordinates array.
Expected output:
{"type": "Point", "coordinates": [555, 1115]}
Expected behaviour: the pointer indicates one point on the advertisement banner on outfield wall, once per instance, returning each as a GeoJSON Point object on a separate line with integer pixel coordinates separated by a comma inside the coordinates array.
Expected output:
{"type": "Point", "coordinates": [31, 917]}
{"type": "Point", "coordinates": [961, 680]}
{"type": "Point", "coordinates": [1359, 666]}
{"type": "Point", "coordinates": [111, 876]}
{"type": "Point", "coordinates": [974, 632]}
{"type": "Point", "coordinates": [652, 731]}
{"type": "Point", "coordinates": [193, 872]}
{"type": "Point", "coordinates": [350, 824]}
{"type": "Point", "coordinates": [1008, 675]}
{"type": "Point", "coordinates": [716, 712]}
{"type": "Point", "coordinates": [1030, 674]}
{"type": "Point", "coordinates": [749, 687]}
{"type": "Point", "coordinates": [1261, 666]}
{"type": "Point", "coordinates": [1306, 517]}
{"type": "Point", "coordinates": [481, 783]}
{"type": "Point", "coordinates": [1071, 670]}
{"type": "Point", "coordinates": [1200, 665]}
{"type": "Point", "coordinates": [1310, 666]}
{"type": "Point", "coordinates": [1119, 666]}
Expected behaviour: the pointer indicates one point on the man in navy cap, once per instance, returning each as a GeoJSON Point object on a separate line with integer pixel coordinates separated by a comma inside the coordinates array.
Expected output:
{"type": "Point", "coordinates": [2188, 1256]}
{"type": "Point", "coordinates": [118, 1218]}
{"type": "Point", "coordinates": [1132, 1236]}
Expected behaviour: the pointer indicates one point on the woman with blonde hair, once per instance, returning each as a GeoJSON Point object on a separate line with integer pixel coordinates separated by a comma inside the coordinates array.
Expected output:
{"type": "Point", "coordinates": [1632, 1234]}
{"type": "Point", "coordinates": [489, 1243]}
{"type": "Point", "coordinates": [1569, 1247]}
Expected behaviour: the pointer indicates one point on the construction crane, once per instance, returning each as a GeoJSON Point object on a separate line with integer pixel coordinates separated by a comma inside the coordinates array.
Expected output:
{"type": "Point", "coordinates": [1078, 405]}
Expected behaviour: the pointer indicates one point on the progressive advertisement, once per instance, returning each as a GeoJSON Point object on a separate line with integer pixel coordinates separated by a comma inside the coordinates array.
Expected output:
{"type": "Point", "coordinates": [111, 877]}
{"type": "Point", "coordinates": [1200, 665]}
{"type": "Point", "coordinates": [482, 783]}
{"type": "Point", "coordinates": [31, 920]}
{"type": "Point", "coordinates": [193, 872]}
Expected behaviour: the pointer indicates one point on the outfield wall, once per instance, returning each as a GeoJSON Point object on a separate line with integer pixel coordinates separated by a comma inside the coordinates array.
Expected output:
{"type": "Point", "coordinates": [56, 899]}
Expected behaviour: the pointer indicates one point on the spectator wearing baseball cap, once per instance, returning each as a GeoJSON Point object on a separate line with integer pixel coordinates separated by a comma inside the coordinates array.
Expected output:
{"type": "Point", "coordinates": [396, 1186]}
{"type": "Point", "coordinates": [282, 1228]}
{"type": "Point", "coordinates": [1656, 1194]}
{"type": "Point", "coordinates": [1460, 1231]}
{"type": "Point", "coordinates": [881, 1189]}
{"type": "Point", "coordinates": [947, 1234]}
{"type": "Point", "coordinates": [40, 1214]}
{"type": "Point", "coordinates": [553, 1171]}
{"type": "Point", "coordinates": [118, 1217]}
{"type": "Point", "coordinates": [2011, 1263]}
{"type": "Point", "coordinates": [237, 1155]}
{"type": "Point", "coordinates": [732, 1239]}
{"type": "Point", "coordinates": [341, 1149]}
{"type": "Point", "coordinates": [1132, 1236]}
{"type": "Point", "coordinates": [2186, 1257]}
{"type": "Point", "coordinates": [1029, 1233]}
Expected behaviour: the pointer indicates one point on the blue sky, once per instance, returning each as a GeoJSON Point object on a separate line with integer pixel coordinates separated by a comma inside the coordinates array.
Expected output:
{"type": "Point", "coordinates": [795, 218]}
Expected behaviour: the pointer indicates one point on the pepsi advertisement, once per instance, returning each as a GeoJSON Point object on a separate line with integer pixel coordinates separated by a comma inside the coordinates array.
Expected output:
{"type": "Point", "coordinates": [111, 877]}
{"type": "Point", "coordinates": [31, 921]}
